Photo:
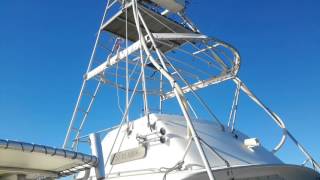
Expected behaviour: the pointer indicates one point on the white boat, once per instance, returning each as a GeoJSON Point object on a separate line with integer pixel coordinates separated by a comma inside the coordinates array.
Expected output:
{"type": "Point", "coordinates": [154, 57]}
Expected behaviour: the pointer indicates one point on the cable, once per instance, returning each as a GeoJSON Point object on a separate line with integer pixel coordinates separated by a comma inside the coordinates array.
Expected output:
{"type": "Point", "coordinates": [177, 166]}
{"type": "Point", "coordinates": [117, 89]}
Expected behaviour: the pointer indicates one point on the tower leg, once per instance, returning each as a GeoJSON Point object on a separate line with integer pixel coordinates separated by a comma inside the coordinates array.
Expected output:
{"type": "Point", "coordinates": [96, 149]}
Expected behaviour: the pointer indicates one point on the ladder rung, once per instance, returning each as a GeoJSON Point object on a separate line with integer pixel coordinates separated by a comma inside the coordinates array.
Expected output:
{"type": "Point", "coordinates": [83, 111]}
{"type": "Point", "coordinates": [88, 94]}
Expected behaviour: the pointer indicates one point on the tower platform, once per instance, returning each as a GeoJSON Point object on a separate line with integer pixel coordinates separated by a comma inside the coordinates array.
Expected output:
{"type": "Point", "coordinates": [156, 23]}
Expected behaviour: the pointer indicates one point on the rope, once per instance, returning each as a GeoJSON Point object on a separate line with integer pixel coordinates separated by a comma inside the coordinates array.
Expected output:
{"type": "Point", "coordinates": [215, 152]}
{"type": "Point", "coordinates": [117, 89]}
{"type": "Point", "coordinates": [177, 166]}
{"type": "Point", "coordinates": [197, 96]}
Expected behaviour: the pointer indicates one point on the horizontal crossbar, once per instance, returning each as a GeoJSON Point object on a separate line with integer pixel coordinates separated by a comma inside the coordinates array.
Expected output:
{"type": "Point", "coordinates": [113, 60]}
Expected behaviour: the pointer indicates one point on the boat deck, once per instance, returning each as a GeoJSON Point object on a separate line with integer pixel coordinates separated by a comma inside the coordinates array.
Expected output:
{"type": "Point", "coordinates": [36, 160]}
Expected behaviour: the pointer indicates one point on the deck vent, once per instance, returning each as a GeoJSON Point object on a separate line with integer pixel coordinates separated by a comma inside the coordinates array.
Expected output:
{"type": "Point", "coordinates": [252, 143]}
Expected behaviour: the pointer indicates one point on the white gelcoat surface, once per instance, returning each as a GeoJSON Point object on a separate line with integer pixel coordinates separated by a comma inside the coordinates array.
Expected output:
{"type": "Point", "coordinates": [168, 154]}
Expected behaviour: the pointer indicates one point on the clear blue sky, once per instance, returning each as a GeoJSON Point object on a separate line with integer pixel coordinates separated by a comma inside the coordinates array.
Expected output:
{"type": "Point", "coordinates": [45, 46]}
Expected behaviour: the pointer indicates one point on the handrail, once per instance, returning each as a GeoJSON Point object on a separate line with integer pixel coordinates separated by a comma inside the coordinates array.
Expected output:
{"type": "Point", "coordinates": [280, 123]}
{"type": "Point", "coordinates": [273, 115]}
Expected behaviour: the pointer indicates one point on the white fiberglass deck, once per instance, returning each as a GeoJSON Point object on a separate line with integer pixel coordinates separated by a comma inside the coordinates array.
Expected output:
{"type": "Point", "coordinates": [227, 153]}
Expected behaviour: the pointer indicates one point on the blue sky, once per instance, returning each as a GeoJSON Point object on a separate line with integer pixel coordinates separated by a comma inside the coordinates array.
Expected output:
{"type": "Point", "coordinates": [45, 47]}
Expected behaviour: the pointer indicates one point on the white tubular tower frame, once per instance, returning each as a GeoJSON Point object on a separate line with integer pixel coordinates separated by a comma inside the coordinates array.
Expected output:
{"type": "Point", "coordinates": [147, 48]}
{"type": "Point", "coordinates": [176, 88]}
